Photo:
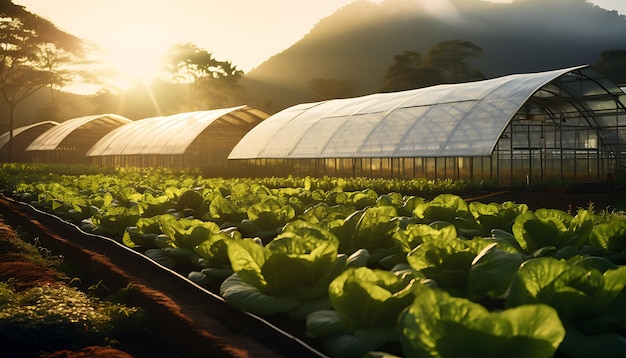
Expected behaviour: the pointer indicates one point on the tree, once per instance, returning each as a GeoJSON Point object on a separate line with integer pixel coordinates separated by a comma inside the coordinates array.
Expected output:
{"type": "Point", "coordinates": [328, 88]}
{"type": "Point", "coordinates": [209, 82]}
{"type": "Point", "coordinates": [410, 71]}
{"type": "Point", "coordinates": [451, 56]}
{"type": "Point", "coordinates": [445, 62]}
{"type": "Point", "coordinates": [31, 50]}
{"type": "Point", "coordinates": [612, 65]}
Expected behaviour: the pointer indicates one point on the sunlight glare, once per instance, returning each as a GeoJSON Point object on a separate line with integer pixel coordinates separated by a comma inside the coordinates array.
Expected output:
{"type": "Point", "coordinates": [134, 65]}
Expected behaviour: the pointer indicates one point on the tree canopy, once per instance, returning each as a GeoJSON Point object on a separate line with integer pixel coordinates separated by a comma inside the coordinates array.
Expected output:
{"type": "Point", "coordinates": [445, 62]}
{"type": "Point", "coordinates": [34, 54]}
{"type": "Point", "coordinates": [210, 82]}
{"type": "Point", "coordinates": [612, 64]}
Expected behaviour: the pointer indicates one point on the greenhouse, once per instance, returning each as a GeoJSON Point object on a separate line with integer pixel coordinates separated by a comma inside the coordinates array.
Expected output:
{"type": "Point", "coordinates": [22, 137]}
{"type": "Point", "coordinates": [566, 125]}
{"type": "Point", "coordinates": [200, 139]}
{"type": "Point", "coordinates": [68, 142]}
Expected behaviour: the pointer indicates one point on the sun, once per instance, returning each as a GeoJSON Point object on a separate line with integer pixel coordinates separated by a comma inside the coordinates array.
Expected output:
{"type": "Point", "coordinates": [134, 65]}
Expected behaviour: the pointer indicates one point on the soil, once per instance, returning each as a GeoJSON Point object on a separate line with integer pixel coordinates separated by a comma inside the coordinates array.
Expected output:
{"type": "Point", "coordinates": [192, 321]}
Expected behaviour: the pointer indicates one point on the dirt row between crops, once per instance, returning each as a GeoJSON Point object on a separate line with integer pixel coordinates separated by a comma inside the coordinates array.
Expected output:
{"type": "Point", "coordinates": [195, 323]}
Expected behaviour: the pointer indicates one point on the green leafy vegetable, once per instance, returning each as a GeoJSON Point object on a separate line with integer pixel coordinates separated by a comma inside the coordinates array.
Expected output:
{"type": "Point", "coordinates": [366, 303]}
{"type": "Point", "coordinates": [552, 227]}
{"type": "Point", "coordinates": [589, 301]}
{"type": "Point", "coordinates": [438, 325]}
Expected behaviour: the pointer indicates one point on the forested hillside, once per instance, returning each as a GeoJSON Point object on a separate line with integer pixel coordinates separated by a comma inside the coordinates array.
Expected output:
{"type": "Point", "coordinates": [357, 44]}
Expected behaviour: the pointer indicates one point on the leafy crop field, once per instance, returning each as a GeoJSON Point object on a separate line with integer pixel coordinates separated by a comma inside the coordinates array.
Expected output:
{"type": "Point", "coordinates": [372, 267]}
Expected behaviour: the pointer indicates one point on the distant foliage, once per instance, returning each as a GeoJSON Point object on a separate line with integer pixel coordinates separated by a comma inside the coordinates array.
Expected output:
{"type": "Point", "coordinates": [445, 62]}
{"type": "Point", "coordinates": [612, 64]}
{"type": "Point", "coordinates": [209, 83]}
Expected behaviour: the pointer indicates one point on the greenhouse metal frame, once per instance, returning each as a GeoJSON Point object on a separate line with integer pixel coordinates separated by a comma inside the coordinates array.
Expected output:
{"type": "Point", "coordinates": [68, 142]}
{"type": "Point", "coordinates": [566, 125]}
{"type": "Point", "coordinates": [201, 139]}
{"type": "Point", "coordinates": [22, 138]}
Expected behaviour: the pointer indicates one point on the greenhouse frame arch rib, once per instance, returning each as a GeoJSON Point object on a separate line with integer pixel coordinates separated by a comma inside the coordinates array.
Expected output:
{"type": "Point", "coordinates": [68, 142]}
{"type": "Point", "coordinates": [522, 129]}
{"type": "Point", "coordinates": [22, 137]}
{"type": "Point", "coordinates": [200, 139]}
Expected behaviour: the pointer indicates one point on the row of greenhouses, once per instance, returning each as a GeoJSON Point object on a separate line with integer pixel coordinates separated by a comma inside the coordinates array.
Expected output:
{"type": "Point", "coordinates": [565, 125]}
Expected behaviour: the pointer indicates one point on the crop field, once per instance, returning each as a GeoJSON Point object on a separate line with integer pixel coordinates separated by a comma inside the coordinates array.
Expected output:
{"type": "Point", "coordinates": [366, 267]}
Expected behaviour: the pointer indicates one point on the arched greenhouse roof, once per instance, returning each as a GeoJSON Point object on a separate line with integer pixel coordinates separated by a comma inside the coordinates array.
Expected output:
{"type": "Point", "coordinates": [92, 126]}
{"type": "Point", "coordinates": [172, 134]}
{"type": "Point", "coordinates": [40, 126]}
{"type": "Point", "coordinates": [465, 119]}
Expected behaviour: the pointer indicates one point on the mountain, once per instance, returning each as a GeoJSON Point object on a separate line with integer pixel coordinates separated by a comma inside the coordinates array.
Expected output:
{"type": "Point", "coordinates": [358, 42]}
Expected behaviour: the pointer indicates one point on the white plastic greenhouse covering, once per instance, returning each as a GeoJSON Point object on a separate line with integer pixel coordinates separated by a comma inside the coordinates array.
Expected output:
{"type": "Point", "coordinates": [464, 119]}
{"type": "Point", "coordinates": [50, 139]}
{"type": "Point", "coordinates": [4, 138]}
{"type": "Point", "coordinates": [161, 135]}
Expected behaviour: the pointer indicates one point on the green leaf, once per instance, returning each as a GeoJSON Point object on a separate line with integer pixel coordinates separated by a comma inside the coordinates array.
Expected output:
{"type": "Point", "coordinates": [447, 261]}
{"type": "Point", "coordinates": [247, 258]}
{"type": "Point", "coordinates": [609, 236]}
{"type": "Point", "coordinates": [327, 322]}
{"type": "Point", "coordinates": [370, 298]}
{"type": "Point", "coordinates": [496, 216]}
{"type": "Point", "coordinates": [270, 214]}
{"type": "Point", "coordinates": [417, 234]}
{"type": "Point", "coordinates": [248, 298]}
{"type": "Point", "coordinates": [438, 325]}
{"type": "Point", "coordinates": [375, 228]}
{"type": "Point", "coordinates": [578, 293]}
{"type": "Point", "coordinates": [356, 345]}
{"type": "Point", "coordinates": [552, 227]}
{"type": "Point", "coordinates": [215, 250]}
{"type": "Point", "coordinates": [358, 259]}
{"type": "Point", "coordinates": [444, 207]}
{"type": "Point", "coordinates": [492, 272]}
{"type": "Point", "coordinates": [190, 199]}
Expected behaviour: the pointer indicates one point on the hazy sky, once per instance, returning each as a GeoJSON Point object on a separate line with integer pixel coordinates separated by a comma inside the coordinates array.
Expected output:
{"type": "Point", "coordinates": [136, 33]}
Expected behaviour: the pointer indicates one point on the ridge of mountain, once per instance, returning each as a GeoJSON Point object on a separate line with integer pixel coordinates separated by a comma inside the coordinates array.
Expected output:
{"type": "Point", "coordinates": [358, 42]}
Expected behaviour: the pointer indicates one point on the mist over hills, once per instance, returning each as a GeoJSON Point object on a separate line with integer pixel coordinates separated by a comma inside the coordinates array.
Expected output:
{"type": "Point", "coordinates": [358, 42]}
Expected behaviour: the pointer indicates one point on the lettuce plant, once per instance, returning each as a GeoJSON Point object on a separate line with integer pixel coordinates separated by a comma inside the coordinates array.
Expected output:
{"type": "Point", "coordinates": [610, 237]}
{"type": "Point", "coordinates": [179, 239]}
{"type": "Point", "coordinates": [367, 303]}
{"type": "Point", "coordinates": [552, 228]}
{"type": "Point", "coordinates": [439, 325]}
{"type": "Point", "coordinates": [496, 216]}
{"type": "Point", "coordinates": [372, 229]}
{"type": "Point", "coordinates": [293, 269]}
{"type": "Point", "coordinates": [588, 295]}
{"type": "Point", "coordinates": [114, 220]}
{"type": "Point", "coordinates": [443, 207]}
{"type": "Point", "coordinates": [416, 234]}
{"type": "Point", "coordinates": [472, 268]}
{"type": "Point", "coordinates": [270, 213]}
{"type": "Point", "coordinates": [214, 253]}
